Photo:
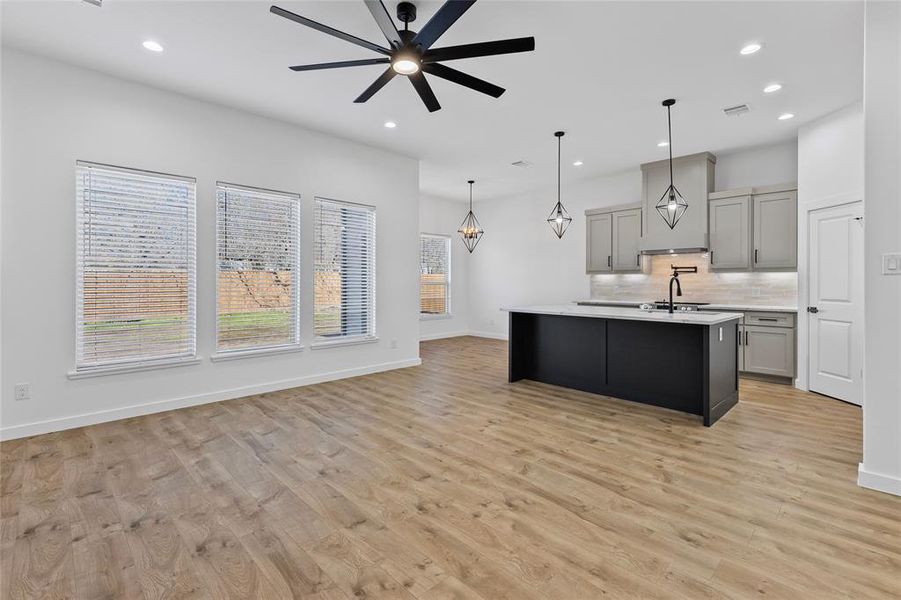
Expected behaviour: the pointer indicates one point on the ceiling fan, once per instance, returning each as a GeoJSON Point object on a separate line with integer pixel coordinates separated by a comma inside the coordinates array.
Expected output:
{"type": "Point", "coordinates": [411, 54]}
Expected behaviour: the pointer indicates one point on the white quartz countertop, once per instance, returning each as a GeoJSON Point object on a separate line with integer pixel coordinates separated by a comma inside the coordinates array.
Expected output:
{"type": "Point", "coordinates": [627, 314]}
{"type": "Point", "coordinates": [706, 307]}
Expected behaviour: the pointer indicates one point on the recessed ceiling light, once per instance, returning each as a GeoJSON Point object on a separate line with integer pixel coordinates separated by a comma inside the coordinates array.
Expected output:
{"type": "Point", "coordinates": [773, 87]}
{"type": "Point", "coordinates": [662, 144]}
{"type": "Point", "coordinates": [390, 124]}
{"type": "Point", "coordinates": [786, 116]}
{"type": "Point", "coordinates": [152, 46]}
{"type": "Point", "coordinates": [751, 48]}
{"type": "Point", "coordinates": [578, 163]}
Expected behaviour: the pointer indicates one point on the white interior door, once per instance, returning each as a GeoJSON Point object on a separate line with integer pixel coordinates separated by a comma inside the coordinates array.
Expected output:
{"type": "Point", "coordinates": [835, 316]}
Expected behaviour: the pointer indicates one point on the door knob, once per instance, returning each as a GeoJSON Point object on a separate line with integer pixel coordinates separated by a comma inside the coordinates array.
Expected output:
{"type": "Point", "coordinates": [813, 309]}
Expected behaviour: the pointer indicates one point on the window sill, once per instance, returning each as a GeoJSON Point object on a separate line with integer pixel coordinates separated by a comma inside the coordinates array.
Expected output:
{"type": "Point", "coordinates": [133, 368]}
{"type": "Point", "coordinates": [226, 355]}
{"type": "Point", "coordinates": [350, 341]}
{"type": "Point", "coordinates": [428, 317]}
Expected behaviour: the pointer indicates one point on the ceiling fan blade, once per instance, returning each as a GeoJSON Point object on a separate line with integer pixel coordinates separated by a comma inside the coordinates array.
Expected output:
{"type": "Point", "coordinates": [341, 64]}
{"type": "Point", "coordinates": [425, 91]}
{"type": "Point", "coordinates": [526, 44]}
{"type": "Point", "coordinates": [441, 21]}
{"type": "Point", "coordinates": [458, 77]}
{"type": "Point", "coordinates": [378, 84]}
{"type": "Point", "coordinates": [381, 16]}
{"type": "Point", "coordinates": [329, 30]}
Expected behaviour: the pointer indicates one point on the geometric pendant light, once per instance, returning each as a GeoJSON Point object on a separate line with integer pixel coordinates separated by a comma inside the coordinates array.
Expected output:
{"type": "Point", "coordinates": [559, 219]}
{"type": "Point", "coordinates": [671, 205]}
{"type": "Point", "coordinates": [470, 229]}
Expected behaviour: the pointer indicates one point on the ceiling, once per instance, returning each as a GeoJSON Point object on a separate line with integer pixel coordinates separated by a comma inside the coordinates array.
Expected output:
{"type": "Point", "coordinates": [599, 72]}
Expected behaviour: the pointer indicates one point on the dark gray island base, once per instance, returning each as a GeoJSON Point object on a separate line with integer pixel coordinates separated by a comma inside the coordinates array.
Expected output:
{"type": "Point", "coordinates": [685, 364]}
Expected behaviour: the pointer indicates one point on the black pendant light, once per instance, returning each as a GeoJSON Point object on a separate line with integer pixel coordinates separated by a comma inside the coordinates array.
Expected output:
{"type": "Point", "coordinates": [470, 229]}
{"type": "Point", "coordinates": [671, 205]}
{"type": "Point", "coordinates": [559, 219]}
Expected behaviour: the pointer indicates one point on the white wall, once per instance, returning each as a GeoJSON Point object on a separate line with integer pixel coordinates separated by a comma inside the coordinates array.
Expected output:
{"type": "Point", "coordinates": [830, 169]}
{"type": "Point", "coordinates": [763, 165]}
{"type": "Point", "coordinates": [53, 115]}
{"type": "Point", "coordinates": [520, 261]}
{"type": "Point", "coordinates": [881, 466]}
{"type": "Point", "coordinates": [444, 217]}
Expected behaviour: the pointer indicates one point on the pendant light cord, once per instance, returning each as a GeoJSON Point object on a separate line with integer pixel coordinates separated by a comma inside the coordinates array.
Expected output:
{"type": "Point", "coordinates": [559, 140]}
{"type": "Point", "coordinates": [669, 129]}
{"type": "Point", "coordinates": [470, 196]}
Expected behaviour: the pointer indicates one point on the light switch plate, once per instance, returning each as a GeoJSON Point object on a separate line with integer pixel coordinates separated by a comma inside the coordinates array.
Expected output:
{"type": "Point", "coordinates": [891, 264]}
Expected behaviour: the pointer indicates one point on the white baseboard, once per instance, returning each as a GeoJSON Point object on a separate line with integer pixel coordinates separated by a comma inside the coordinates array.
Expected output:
{"type": "Point", "coordinates": [488, 334]}
{"type": "Point", "coordinates": [441, 336]}
{"type": "Point", "coordinates": [136, 410]}
{"type": "Point", "coordinates": [878, 481]}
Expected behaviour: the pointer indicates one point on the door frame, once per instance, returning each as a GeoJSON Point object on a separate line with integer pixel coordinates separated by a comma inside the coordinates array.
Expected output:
{"type": "Point", "coordinates": [803, 364]}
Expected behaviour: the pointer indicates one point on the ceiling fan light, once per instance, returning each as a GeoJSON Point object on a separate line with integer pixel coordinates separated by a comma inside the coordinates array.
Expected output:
{"type": "Point", "coordinates": [405, 65]}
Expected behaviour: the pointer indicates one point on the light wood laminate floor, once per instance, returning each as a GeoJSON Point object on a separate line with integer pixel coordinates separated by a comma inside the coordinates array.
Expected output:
{"type": "Point", "coordinates": [444, 481]}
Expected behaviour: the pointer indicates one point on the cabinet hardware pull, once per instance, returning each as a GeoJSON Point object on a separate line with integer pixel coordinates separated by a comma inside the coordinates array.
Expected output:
{"type": "Point", "coordinates": [755, 256]}
{"type": "Point", "coordinates": [746, 337]}
{"type": "Point", "coordinates": [711, 257]}
{"type": "Point", "coordinates": [767, 319]}
{"type": "Point", "coordinates": [608, 261]}
{"type": "Point", "coordinates": [638, 260]}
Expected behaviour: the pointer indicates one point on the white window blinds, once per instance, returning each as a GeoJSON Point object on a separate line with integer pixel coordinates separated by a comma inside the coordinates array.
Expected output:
{"type": "Point", "coordinates": [257, 238]}
{"type": "Point", "coordinates": [344, 278]}
{"type": "Point", "coordinates": [135, 267]}
{"type": "Point", "coordinates": [434, 274]}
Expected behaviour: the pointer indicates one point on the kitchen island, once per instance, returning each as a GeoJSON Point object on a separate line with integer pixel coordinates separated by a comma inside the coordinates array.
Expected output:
{"type": "Point", "coordinates": [682, 361]}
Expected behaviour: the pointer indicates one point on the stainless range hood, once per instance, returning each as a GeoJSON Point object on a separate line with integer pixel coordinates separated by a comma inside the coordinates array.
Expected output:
{"type": "Point", "coordinates": [693, 175]}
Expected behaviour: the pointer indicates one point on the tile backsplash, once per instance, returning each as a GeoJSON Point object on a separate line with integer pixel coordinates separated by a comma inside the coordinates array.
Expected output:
{"type": "Point", "coordinates": [745, 288]}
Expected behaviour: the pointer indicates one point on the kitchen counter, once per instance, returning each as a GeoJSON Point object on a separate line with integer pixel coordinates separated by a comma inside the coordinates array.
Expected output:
{"type": "Point", "coordinates": [685, 361]}
{"type": "Point", "coordinates": [705, 307]}
{"type": "Point", "coordinates": [630, 314]}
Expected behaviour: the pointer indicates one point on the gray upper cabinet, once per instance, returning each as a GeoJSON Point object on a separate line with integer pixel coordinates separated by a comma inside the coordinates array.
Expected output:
{"type": "Point", "coordinates": [626, 240]}
{"type": "Point", "coordinates": [776, 230]}
{"type": "Point", "coordinates": [599, 239]}
{"type": "Point", "coordinates": [730, 232]}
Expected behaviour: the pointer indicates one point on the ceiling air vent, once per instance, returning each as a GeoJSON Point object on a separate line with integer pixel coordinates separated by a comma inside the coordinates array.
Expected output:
{"type": "Point", "coordinates": [521, 163]}
{"type": "Point", "coordinates": [94, 2]}
{"type": "Point", "coordinates": [735, 111]}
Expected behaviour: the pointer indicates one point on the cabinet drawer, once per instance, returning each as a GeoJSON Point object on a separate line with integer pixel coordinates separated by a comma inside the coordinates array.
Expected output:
{"type": "Point", "coordinates": [770, 319]}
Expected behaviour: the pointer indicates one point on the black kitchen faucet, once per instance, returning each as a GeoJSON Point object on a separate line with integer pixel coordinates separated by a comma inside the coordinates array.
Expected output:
{"type": "Point", "coordinates": [675, 278]}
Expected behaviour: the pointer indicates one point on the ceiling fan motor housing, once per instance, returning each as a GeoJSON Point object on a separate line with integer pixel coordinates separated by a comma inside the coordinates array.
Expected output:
{"type": "Point", "coordinates": [406, 12]}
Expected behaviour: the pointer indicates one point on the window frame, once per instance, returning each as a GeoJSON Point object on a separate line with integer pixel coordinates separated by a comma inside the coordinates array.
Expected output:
{"type": "Point", "coordinates": [448, 306]}
{"type": "Point", "coordinates": [82, 370]}
{"type": "Point", "coordinates": [222, 354]}
{"type": "Point", "coordinates": [318, 341]}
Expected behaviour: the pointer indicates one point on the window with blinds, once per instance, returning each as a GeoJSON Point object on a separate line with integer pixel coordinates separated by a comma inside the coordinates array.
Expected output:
{"type": "Point", "coordinates": [257, 241]}
{"type": "Point", "coordinates": [135, 267]}
{"type": "Point", "coordinates": [434, 274]}
{"type": "Point", "coordinates": [344, 265]}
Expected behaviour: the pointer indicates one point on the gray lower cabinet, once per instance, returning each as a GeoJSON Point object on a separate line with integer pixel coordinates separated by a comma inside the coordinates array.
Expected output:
{"type": "Point", "coordinates": [626, 240]}
{"type": "Point", "coordinates": [776, 230]}
{"type": "Point", "coordinates": [769, 350]}
{"type": "Point", "coordinates": [599, 241]}
{"type": "Point", "coordinates": [730, 232]}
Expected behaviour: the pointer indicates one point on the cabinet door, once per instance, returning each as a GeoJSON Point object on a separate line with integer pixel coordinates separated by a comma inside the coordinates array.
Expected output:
{"type": "Point", "coordinates": [599, 255]}
{"type": "Point", "coordinates": [626, 239]}
{"type": "Point", "coordinates": [776, 230]}
{"type": "Point", "coordinates": [730, 233]}
{"type": "Point", "coordinates": [770, 350]}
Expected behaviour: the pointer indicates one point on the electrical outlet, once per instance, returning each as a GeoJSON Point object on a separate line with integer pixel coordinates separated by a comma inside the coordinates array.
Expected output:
{"type": "Point", "coordinates": [393, 343]}
{"type": "Point", "coordinates": [23, 391]}
{"type": "Point", "coordinates": [891, 264]}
